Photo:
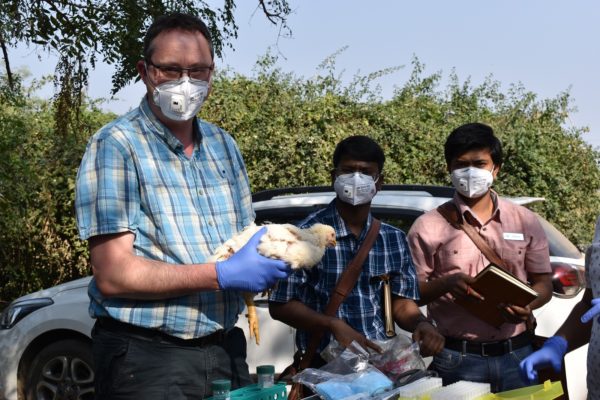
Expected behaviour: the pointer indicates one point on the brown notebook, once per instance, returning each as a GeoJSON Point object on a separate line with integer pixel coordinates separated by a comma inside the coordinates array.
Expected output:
{"type": "Point", "coordinates": [497, 286]}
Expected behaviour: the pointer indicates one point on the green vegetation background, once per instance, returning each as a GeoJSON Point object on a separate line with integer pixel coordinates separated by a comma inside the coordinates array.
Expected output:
{"type": "Point", "coordinates": [287, 127]}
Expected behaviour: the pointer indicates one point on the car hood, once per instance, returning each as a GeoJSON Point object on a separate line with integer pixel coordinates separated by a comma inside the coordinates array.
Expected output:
{"type": "Point", "coordinates": [55, 290]}
{"type": "Point", "coordinates": [412, 199]}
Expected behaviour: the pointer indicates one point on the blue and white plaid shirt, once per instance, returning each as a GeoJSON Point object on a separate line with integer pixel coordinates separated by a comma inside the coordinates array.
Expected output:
{"type": "Point", "coordinates": [135, 177]}
{"type": "Point", "coordinates": [363, 308]}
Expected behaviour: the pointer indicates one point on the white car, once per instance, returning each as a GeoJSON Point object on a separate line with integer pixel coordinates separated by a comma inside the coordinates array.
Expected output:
{"type": "Point", "coordinates": [45, 345]}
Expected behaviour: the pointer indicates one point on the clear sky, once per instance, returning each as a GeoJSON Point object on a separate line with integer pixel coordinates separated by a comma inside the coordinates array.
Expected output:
{"type": "Point", "coordinates": [547, 45]}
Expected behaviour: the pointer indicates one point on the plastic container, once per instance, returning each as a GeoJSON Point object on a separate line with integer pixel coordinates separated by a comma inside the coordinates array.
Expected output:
{"type": "Point", "coordinates": [254, 392]}
{"type": "Point", "coordinates": [266, 376]}
{"type": "Point", "coordinates": [461, 390]}
{"type": "Point", "coordinates": [221, 389]}
{"type": "Point", "coordinates": [546, 391]}
{"type": "Point", "coordinates": [419, 388]}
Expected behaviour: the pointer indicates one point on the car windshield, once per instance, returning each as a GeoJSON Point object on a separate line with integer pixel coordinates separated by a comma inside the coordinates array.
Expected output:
{"type": "Point", "coordinates": [560, 246]}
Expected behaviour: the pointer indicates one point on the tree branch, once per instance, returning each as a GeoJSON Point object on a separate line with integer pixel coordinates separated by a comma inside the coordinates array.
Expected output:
{"type": "Point", "coordinates": [273, 17]}
{"type": "Point", "coordinates": [9, 74]}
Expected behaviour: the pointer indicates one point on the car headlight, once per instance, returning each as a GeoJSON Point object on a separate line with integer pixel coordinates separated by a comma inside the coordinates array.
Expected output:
{"type": "Point", "coordinates": [18, 310]}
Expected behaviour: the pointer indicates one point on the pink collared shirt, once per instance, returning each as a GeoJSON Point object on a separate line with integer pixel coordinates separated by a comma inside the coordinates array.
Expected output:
{"type": "Point", "coordinates": [438, 249]}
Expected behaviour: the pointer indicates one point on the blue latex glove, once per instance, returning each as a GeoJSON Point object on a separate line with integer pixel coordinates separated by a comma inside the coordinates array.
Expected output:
{"type": "Point", "coordinates": [592, 312]}
{"type": "Point", "coordinates": [551, 353]}
{"type": "Point", "coordinates": [249, 271]}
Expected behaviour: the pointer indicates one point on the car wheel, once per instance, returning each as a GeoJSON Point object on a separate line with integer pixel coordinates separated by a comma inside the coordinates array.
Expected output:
{"type": "Point", "coordinates": [62, 370]}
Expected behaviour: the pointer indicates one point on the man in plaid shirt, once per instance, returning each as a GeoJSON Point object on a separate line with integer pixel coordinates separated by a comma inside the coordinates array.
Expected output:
{"type": "Point", "coordinates": [158, 190]}
{"type": "Point", "coordinates": [300, 300]}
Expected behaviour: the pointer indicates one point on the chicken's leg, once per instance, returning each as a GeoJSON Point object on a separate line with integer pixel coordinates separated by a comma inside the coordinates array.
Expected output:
{"type": "Point", "coordinates": [252, 316]}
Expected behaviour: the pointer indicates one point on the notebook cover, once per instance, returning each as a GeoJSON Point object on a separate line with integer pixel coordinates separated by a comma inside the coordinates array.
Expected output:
{"type": "Point", "coordinates": [497, 286]}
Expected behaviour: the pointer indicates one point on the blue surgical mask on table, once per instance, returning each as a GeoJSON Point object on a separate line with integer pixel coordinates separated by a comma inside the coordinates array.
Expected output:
{"type": "Point", "coordinates": [180, 100]}
{"type": "Point", "coordinates": [472, 182]}
{"type": "Point", "coordinates": [355, 188]}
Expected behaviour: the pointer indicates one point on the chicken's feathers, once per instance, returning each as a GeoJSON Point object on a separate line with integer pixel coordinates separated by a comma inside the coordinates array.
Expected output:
{"type": "Point", "coordinates": [301, 248]}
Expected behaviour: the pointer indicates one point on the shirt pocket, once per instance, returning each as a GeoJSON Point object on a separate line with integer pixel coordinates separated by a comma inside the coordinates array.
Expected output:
{"type": "Point", "coordinates": [513, 254]}
{"type": "Point", "coordinates": [216, 183]}
{"type": "Point", "coordinates": [371, 283]}
{"type": "Point", "coordinates": [166, 201]}
{"type": "Point", "coordinates": [456, 257]}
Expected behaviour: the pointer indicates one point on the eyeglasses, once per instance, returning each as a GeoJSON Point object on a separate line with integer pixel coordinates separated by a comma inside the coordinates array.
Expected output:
{"type": "Point", "coordinates": [172, 72]}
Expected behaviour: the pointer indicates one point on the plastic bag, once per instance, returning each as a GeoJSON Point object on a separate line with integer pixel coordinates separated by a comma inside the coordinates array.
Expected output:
{"type": "Point", "coordinates": [399, 355]}
{"type": "Point", "coordinates": [347, 376]}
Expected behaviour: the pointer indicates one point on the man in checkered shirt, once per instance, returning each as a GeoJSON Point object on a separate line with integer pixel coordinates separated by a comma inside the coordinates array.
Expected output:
{"type": "Point", "coordinates": [300, 300]}
{"type": "Point", "coordinates": [158, 190]}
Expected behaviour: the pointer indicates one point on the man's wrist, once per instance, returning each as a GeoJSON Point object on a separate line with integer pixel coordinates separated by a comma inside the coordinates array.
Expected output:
{"type": "Point", "coordinates": [328, 322]}
{"type": "Point", "coordinates": [423, 319]}
{"type": "Point", "coordinates": [558, 343]}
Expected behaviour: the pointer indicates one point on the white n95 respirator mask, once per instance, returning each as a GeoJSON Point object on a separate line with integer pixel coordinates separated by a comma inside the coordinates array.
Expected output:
{"type": "Point", "coordinates": [472, 182]}
{"type": "Point", "coordinates": [355, 188]}
{"type": "Point", "coordinates": [180, 100]}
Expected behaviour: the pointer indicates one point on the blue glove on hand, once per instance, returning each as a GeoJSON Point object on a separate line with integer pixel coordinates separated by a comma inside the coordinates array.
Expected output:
{"type": "Point", "coordinates": [551, 353]}
{"type": "Point", "coordinates": [592, 312]}
{"type": "Point", "coordinates": [249, 271]}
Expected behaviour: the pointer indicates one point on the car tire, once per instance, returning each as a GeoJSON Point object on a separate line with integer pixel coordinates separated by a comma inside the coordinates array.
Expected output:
{"type": "Point", "coordinates": [62, 370]}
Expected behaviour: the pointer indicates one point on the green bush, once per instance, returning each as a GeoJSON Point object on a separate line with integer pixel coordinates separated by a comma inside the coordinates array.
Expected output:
{"type": "Point", "coordinates": [38, 238]}
{"type": "Point", "coordinates": [287, 128]}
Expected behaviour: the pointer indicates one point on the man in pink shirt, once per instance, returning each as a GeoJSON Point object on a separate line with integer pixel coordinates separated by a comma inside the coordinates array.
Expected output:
{"type": "Point", "coordinates": [446, 260]}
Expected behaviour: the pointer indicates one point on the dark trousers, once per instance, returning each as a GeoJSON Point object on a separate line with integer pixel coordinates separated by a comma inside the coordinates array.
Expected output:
{"type": "Point", "coordinates": [137, 366]}
{"type": "Point", "coordinates": [496, 363]}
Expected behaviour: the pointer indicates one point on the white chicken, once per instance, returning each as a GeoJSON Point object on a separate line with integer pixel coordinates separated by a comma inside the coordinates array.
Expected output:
{"type": "Point", "coordinates": [301, 248]}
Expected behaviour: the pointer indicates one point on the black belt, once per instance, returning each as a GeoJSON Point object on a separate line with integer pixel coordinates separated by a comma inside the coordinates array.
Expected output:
{"type": "Point", "coordinates": [497, 348]}
{"type": "Point", "coordinates": [138, 332]}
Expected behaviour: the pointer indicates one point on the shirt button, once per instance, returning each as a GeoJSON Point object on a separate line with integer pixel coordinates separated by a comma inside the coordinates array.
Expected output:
{"type": "Point", "coordinates": [200, 192]}
{"type": "Point", "coordinates": [455, 251]}
{"type": "Point", "coordinates": [211, 223]}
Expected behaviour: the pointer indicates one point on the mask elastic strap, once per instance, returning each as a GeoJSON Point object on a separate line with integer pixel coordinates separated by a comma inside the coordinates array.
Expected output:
{"type": "Point", "coordinates": [152, 85]}
{"type": "Point", "coordinates": [148, 76]}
